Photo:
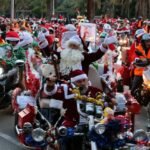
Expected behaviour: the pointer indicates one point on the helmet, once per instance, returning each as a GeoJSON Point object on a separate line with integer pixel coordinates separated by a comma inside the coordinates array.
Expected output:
{"type": "Point", "coordinates": [107, 27]}
{"type": "Point", "coordinates": [146, 37]}
{"type": "Point", "coordinates": [139, 33]}
{"type": "Point", "coordinates": [103, 35]}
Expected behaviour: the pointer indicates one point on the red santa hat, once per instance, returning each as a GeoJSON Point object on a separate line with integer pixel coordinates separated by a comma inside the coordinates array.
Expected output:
{"type": "Point", "coordinates": [77, 75]}
{"type": "Point", "coordinates": [12, 36]}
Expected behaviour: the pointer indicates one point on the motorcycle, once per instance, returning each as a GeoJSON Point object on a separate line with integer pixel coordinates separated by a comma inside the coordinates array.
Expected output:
{"type": "Point", "coordinates": [10, 76]}
{"type": "Point", "coordinates": [142, 93]}
{"type": "Point", "coordinates": [89, 110]}
{"type": "Point", "coordinates": [105, 128]}
{"type": "Point", "coordinates": [94, 116]}
{"type": "Point", "coordinates": [34, 131]}
{"type": "Point", "coordinates": [125, 102]}
{"type": "Point", "coordinates": [114, 135]}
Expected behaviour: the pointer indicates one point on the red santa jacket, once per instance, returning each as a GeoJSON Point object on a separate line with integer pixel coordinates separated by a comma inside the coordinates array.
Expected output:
{"type": "Point", "coordinates": [72, 116]}
{"type": "Point", "coordinates": [64, 93]}
{"type": "Point", "coordinates": [57, 93]}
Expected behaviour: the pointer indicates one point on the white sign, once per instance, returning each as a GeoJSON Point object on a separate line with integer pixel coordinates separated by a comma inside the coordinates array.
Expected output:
{"type": "Point", "coordinates": [88, 31]}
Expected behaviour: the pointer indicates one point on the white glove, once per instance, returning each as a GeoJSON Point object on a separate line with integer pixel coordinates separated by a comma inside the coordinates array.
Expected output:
{"type": "Point", "coordinates": [110, 40]}
{"type": "Point", "coordinates": [56, 39]}
{"type": "Point", "coordinates": [63, 111]}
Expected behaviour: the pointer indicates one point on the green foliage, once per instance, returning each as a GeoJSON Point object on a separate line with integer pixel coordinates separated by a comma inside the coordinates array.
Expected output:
{"type": "Point", "coordinates": [40, 8]}
{"type": "Point", "coordinates": [70, 7]}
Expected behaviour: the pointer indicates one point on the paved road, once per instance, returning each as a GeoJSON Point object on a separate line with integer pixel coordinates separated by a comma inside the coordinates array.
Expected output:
{"type": "Point", "coordinates": [141, 120]}
{"type": "Point", "coordinates": [8, 140]}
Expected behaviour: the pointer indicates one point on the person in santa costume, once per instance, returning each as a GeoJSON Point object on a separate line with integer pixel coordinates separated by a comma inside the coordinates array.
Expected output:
{"type": "Point", "coordinates": [25, 39]}
{"type": "Point", "coordinates": [78, 80]}
{"type": "Point", "coordinates": [47, 50]}
{"type": "Point", "coordinates": [65, 93]}
{"type": "Point", "coordinates": [74, 56]}
{"type": "Point", "coordinates": [51, 94]}
{"type": "Point", "coordinates": [12, 38]}
{"type": "Point", "coordinates": [71, 116]}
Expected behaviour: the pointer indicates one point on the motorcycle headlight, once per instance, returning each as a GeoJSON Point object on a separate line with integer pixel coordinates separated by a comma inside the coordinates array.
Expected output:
{"type": "Point", "coordinates": [38, 134]}
{"type": "Point", "coordinates": [99, 128]}
{"type": "Point", "coordinates": [62, 131]}
{"type": "Point", "coordinates": [140, 136]}
{"type": "Point", "coordinates": [1, 70]}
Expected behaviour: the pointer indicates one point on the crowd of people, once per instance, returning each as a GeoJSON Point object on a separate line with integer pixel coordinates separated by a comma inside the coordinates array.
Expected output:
{"type": "Point", "coordinates": [57, 59]}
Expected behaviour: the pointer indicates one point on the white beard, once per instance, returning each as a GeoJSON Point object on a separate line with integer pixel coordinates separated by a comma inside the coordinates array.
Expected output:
{"type": "Point", "coordinates": [70, 60]}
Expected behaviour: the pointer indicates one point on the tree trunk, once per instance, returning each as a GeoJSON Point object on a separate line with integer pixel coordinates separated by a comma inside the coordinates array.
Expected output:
{"type": "Point", "coordinates": [91, 10]}
{"type": "Point", "coordinates": [142, 8]}
{"type": "Point", "coordinates": [49, 4]}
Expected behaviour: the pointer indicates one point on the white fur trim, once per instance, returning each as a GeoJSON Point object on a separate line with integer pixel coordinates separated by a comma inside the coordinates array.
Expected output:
{"type": "Point", "coordinates": [12, 39]}
{"type": "Point", "coordinates": [103, 49]}
{"type": "Point", "coordinates": [74, 40]}
{"type": "Point", "coordinates": [67, 96]}
{"type": "Point", "coordinates": [52, 92]}
{"type": "Point", "coordinates": [80, 77]}
{"type": "Point", "coordinates": [101, 69]}
{"type": "Point", "coordinates": [31, 53]}
{"type": "Point", "coordinates": [122, 31]}
{"type": "Point", "coordinates": [57, 104]}
{"type": "Point", "coordinates": [43, 44]}
{"type": "Point", "coordinates": [70, 27]}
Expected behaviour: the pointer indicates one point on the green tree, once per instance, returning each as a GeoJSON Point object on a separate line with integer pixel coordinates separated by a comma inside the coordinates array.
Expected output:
{"type": "Point", "coordinates": [43, 8]}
